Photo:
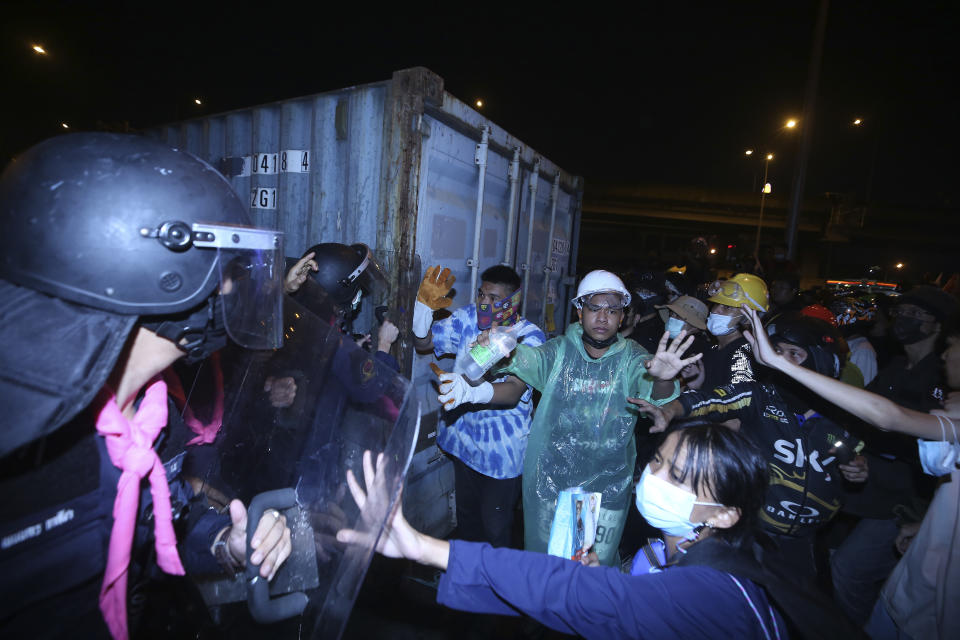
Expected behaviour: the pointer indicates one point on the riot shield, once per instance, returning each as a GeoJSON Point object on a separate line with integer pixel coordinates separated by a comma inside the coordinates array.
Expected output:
{"type": "Point", "coordinates": [293, 421]}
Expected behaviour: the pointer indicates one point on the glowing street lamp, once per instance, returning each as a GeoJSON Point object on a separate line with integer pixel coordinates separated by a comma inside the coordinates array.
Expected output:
{"type": "Point", "coordinates": [899, 265]}
{"type": "Point", "coordinates": [64, 125]}
{"type": "Point", "coordinates": [791, 123]}
{"type": "Point", "coordinates": [479, 104]}
{"type": "Point", "coordinates": [767, 188]}
{"type": "Point", "coordinates": [39, 50]}
{"type": "Point", "coordinates": [748, 152]}
{"type": "Point", "coordinates": [857, 122]}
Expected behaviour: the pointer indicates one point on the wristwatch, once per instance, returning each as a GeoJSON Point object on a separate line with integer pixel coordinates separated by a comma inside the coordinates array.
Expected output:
{"type": "Point", "coordinates": [222, 553]}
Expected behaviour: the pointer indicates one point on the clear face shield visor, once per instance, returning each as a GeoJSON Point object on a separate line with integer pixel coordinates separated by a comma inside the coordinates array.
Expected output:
{"type": "Point", "coordinates": [251, 281]}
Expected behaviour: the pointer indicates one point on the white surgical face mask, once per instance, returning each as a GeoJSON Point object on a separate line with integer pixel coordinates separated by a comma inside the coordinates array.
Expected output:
{"type": "Point", "coordinates": [721, 325]}
{"type": "Point", "coordinates": [939, 457]}
{"type": "Point", "coordinates": [674, 326]}
{"type": "Point", "coordinates": [667, 507]}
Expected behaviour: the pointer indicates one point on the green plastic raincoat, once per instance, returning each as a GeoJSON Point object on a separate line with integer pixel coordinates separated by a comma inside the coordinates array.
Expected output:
{"type": "Point", "coordinates": [582, 434]}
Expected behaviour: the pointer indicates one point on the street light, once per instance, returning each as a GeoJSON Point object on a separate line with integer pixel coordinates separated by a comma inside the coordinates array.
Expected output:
{"type": "Point", "coordinates": [791, 123]}
{"type": "Point", "coordinates": [64, 125]}
{"type": "Point", "coordinates": [479, 104]}
{"type": "Point", "coordinates": [763, 197]}
{"type": "Point", "coordinates": [197, 101]}
{"type": "Point", "coordinates": [899, 265]}
{"type": "Point", "coordinates": [39, 50]}
{"type": "Point", "coordinates": [857, 122]}
{"type": "Point", "coordinates": [748, 152]}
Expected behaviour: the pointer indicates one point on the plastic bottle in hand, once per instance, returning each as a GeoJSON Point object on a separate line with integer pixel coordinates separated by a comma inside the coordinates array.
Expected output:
{"type": "Point", "coordinates": [503, 340]}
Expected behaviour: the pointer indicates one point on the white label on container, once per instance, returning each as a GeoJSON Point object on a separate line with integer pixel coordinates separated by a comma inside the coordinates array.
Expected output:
{"type": "Point", "coordinates": [263, 198]}
{"type": "Point", "coordinates": [295, 161]}
{"type": "Point", "coordinates": [561, 253]}
{"type": "Point", "coordinates": [265, 163]}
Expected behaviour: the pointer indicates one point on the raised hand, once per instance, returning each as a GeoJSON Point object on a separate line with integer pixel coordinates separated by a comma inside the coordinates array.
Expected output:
{"type": "Point", "coordinates": [299, 272]}
{"type": "Point", "coordinates": [435, 286]}
{"type": "Point", "coordinates": [668, 360]}
{"type": "Point", "coordinates": [387, 335]}
{"type": "Point", "coordinates": [756, 335]}
{"type": "Point", "coordinates": [399, 539]}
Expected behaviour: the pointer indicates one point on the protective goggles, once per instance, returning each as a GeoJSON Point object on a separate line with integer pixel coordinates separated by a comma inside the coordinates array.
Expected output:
{"type": "Point", "coordinates": [608, 309]}
{"type": "Point", "coordinates": [251, 281]}
{"type": "Point", "coordinates": [733, 290]}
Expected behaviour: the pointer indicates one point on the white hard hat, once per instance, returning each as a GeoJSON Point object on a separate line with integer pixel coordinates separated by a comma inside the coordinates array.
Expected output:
{"type": "Point", "coordinates": [600, 281]}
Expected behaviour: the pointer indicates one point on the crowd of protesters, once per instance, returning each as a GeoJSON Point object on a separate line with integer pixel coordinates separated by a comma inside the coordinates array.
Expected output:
{"type": "Point", "coordinates": [843, 499]}
{"type": "Point", "coordinates": [796, 453]}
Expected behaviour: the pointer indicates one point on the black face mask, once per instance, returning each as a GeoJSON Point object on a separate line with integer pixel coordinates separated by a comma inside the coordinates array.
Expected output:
{"type": "Point", "coordinates": [599, 344]}
{"type": "Point", "coordinates": [908, 330]}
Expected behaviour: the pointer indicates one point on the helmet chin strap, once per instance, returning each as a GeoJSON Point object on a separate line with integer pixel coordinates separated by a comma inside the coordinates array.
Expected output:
{"type": "Point", "coordinates": [599, 344]}
{"type": "Point", "coordinates": [198, 333]}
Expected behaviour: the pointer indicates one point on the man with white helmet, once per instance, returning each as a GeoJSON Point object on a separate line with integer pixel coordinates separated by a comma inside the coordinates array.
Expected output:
{"type": "Point", "coordinates": [583, 431]}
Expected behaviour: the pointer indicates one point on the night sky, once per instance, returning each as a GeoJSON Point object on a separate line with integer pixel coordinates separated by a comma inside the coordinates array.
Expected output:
{"type": "Point", "coordinates": [666, 93]}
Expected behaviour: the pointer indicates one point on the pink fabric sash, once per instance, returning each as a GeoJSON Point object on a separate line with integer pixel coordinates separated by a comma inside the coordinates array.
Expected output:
{"type": "Point", "coordinates": [206, 432]}
{"type": "Point", "coordinates": [130, 445]}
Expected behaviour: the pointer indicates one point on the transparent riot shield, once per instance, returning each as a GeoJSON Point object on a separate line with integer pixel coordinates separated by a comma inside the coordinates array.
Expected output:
{"type": "Point", "coordinates": [293, 421]}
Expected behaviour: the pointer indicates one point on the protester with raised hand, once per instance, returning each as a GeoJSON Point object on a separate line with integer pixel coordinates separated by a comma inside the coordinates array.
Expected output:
{"type": "Point", "coordinates": [583, 431]}
{"type": "Point", "coordinates": [704, 487]}
{"type": "Point", "coordinates": [483, 427]}
{"type": "Point", "coordinates": [918, 599]}
{"type": "Point", "coordinates": [803, 447]}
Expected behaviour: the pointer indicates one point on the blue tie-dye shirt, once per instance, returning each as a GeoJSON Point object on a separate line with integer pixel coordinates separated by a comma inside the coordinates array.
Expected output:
{"type": "Point", "coordinates": [490, 441]}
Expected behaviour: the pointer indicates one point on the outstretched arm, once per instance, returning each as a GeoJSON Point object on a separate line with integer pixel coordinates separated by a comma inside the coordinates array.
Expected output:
{"type": "Point", "coordinates": [661, 416]}
{"type": "Point", "coordinates": [867, 406]}
{"type": "Point", "coordinates": [399, 539]}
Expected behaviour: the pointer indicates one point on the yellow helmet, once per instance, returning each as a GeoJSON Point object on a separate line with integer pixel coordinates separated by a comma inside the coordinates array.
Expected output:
{"type": "Point", "coordinates": [741, 289]}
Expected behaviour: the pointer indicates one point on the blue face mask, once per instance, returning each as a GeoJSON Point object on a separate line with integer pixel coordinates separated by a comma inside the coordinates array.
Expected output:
{"type": "Point", "coordinates": [721, 325]}
{"type": "Point", "coordinates": [667, 507]}
{"type": "Point", "coordinates": [674, 326]}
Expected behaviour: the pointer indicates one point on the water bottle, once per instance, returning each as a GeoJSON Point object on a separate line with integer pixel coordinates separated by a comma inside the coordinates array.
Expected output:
{"type": "Point", "coordinates": [503, 340]}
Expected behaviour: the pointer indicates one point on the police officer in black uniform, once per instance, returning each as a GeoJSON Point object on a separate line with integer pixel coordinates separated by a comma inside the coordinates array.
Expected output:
{"type": "Point", "coordinates": [118, 256]}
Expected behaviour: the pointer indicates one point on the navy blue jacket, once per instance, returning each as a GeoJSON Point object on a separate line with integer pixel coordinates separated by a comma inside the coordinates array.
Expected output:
{"type": "Point", "coordinates": [600, 602]}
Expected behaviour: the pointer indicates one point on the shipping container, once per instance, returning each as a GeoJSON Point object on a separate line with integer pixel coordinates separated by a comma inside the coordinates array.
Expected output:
{"type": "Point", "coordinates": [423, 179]}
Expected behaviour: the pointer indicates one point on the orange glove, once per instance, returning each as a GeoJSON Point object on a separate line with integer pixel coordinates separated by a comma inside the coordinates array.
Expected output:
{"type": "Point", "coordinates": [435, 287]}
